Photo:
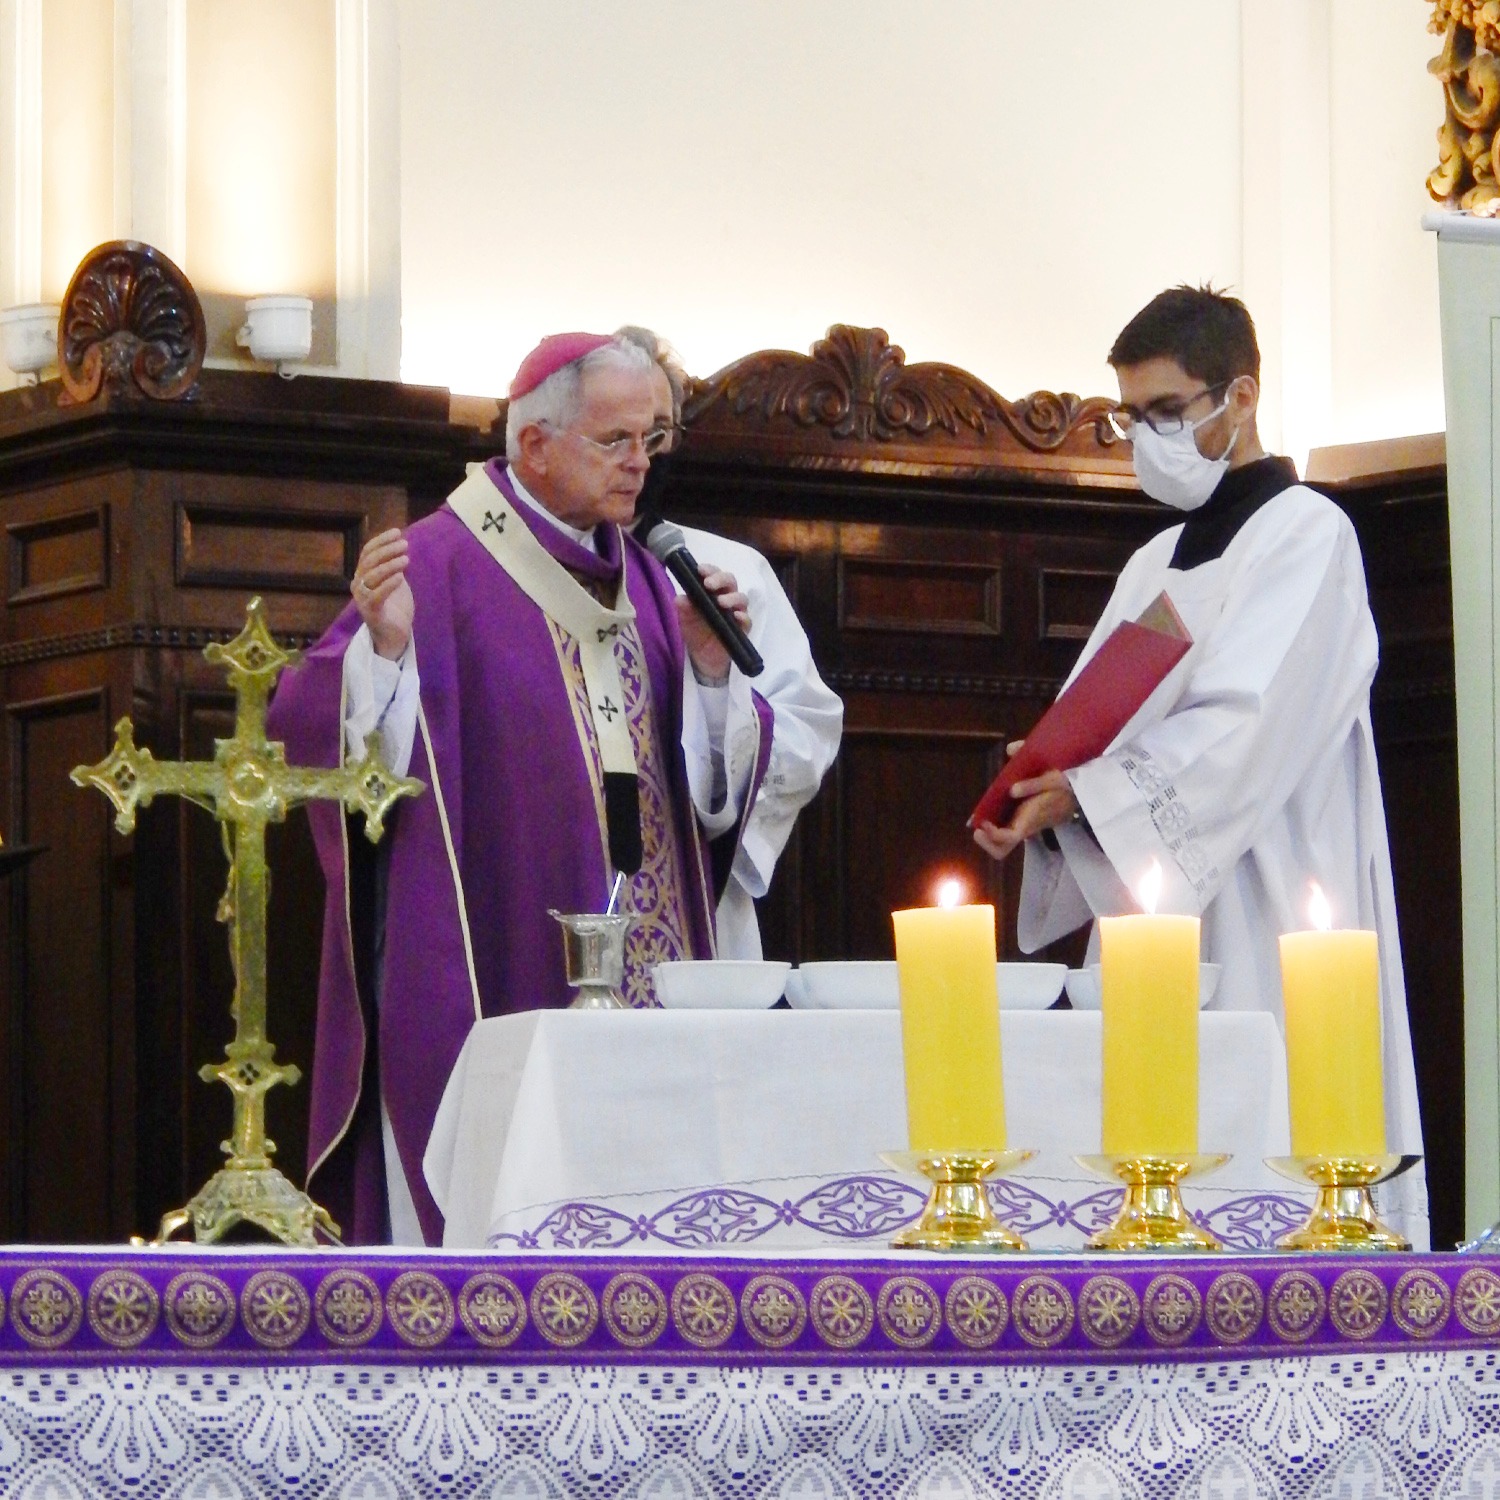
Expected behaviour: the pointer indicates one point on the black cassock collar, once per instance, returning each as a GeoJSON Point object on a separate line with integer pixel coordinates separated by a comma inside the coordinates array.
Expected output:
{"type": "Point", "coordinates": [1239, 494]}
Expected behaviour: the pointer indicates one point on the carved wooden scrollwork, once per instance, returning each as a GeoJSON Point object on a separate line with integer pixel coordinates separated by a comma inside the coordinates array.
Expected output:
{"type": "Point", "coordinates": [1468, 67]}
{"type": "Point", "coordinates": [857, 385]}
{"type": "Point", "coordinates": [132, 324]}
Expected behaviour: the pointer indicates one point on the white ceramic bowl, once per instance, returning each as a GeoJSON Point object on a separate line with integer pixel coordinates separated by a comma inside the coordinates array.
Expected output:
{"type": "Point", "coordinates": [1084, 994]}
{"type": "Point", "coordinates": [719, 984]}
{"type": "Point", "coordinates": [873, 985]}
{"type": "Point", "coordinates": [856, 984]}
{"type": "Point", "coordinates": [1029, 986]}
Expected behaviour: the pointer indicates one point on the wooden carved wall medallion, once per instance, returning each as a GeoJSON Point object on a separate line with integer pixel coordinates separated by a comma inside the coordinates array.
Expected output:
{"type": "Point", "coordinates": [132, 325]}
{"type": "Point", "coordinates": [1468, 170]}
{"type": "Point", "coordinates": [856, 385]}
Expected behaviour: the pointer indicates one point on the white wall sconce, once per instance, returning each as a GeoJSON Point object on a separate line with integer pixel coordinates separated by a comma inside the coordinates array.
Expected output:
{"type": "Point", "coordinates": [28, 338]}
{"type": "Point", "coordinates": [277, 330]}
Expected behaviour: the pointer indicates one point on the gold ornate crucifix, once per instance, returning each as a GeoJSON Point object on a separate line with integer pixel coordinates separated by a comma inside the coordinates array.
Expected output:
{"type": "Point", "coordinates": [247, 785]}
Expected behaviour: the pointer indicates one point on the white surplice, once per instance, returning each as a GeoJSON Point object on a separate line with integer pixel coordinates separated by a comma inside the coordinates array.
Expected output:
{"type": "Point", "coordinates": [1249, 772]}
{"type": "Point", "coordinates": [809, 722]}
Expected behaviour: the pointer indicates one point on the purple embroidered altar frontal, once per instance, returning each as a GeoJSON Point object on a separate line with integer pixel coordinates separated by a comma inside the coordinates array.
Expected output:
{"type": "Point", "coordinates": [220, 1308]}
{"type": "Point", "coordinates": [205, 1375]}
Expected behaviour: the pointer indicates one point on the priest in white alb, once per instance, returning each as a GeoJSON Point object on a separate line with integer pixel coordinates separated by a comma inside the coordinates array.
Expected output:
{"type": "Point", "coordinates": [807, 715]}
{"type": "Point", "coordinates": [1250, 771]}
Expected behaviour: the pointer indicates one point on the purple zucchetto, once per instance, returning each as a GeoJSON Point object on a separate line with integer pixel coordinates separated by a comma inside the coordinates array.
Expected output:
{"type": "Point", "coordinates": [549, 356]}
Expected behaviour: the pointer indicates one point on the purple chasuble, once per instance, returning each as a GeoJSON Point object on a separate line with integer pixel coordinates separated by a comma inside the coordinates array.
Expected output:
{"type": "Point", "coordinates": [517, 781]}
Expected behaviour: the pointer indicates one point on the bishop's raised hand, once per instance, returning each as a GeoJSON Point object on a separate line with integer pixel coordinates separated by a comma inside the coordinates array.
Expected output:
{"type": "Point", "coordinates": [382, 595]}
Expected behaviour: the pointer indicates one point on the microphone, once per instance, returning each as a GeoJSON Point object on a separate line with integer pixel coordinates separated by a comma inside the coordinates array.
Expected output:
{"type": "Point", "coordinates": [668, 546]}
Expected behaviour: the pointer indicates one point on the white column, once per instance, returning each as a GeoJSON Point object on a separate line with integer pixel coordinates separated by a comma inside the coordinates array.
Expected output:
{"type": "Point", "coordinates": [151, 123]}
{"type": "Point", "coordinates": [369, 190]}
{"type": "Point", "coordinates": [1469, 281]}
{"type": "Point", "coordinates": [20, 155]}
{"type": "Point", "coordinates": [1285, 86]}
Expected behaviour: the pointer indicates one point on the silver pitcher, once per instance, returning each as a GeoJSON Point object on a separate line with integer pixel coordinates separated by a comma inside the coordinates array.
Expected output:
{"type": "Point", "coordinates": [594, 958]}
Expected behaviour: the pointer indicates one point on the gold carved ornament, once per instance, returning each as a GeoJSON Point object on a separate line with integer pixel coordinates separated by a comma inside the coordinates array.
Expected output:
{"type": "Point", "coordinates": [247, 785]}
{"type": "Point", "coordinates": [1468, 170]}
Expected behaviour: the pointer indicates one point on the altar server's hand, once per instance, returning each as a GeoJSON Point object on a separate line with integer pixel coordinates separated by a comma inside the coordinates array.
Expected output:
{"type": "Point", "coordinates": [382, 595]}
{"type": "Point", "coordinates": [710, 659]}
{"type": "Point", "coordinates": [1042, 802]}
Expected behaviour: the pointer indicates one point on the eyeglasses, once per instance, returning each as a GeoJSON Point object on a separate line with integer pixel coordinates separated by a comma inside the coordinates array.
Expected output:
{"type": "Point", "coordinates": [650, 443]}
{"type": "Point", "coordinates": [1164, 421]}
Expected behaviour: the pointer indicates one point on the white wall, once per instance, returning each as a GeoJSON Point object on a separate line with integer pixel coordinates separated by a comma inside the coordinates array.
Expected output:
{"type": "Point", "coordinates": [261, 168]}
{"type": "Point", "coordinates": [972, 176]}
{"type": "Point", "coordinates": [999, 184]}
{"type": "Point", "coordinates": [1387, 354]}
{"type": "Point", "coordinates": [254, 141]}
{"type": "Point", "coordinates": [77, 99]}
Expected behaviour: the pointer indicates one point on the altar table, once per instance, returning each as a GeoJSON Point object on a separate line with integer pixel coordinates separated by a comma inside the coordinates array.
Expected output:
{"type": "Point", "coordinates": [653, 1131]}
{"type": "Point", "coordinates": [208, 1374]}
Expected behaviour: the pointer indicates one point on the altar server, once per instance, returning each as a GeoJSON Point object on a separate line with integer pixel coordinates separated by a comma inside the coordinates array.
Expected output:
{"type": "Point", "coordinates": [809, 715]}
{"type": "Point", "coordinates": [1251, 770]}
{"type": "Point", "coordinates": [528, 662]}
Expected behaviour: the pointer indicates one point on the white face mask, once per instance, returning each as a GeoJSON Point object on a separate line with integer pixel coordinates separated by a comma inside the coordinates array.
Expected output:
{"type": "Point", "coordinates": [1171, 469]}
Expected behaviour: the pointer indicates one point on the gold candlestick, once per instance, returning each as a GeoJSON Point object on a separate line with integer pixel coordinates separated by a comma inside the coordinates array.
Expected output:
{"type": "Point", "coordinates": [1343, 1214]}
{"type": "Point", "coordinates": [1152, 1216]}
{"type": "Point", "coordinates": [957, 1217]}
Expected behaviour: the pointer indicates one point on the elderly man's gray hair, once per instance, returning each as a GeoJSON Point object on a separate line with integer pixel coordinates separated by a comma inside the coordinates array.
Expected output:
{"type": "Point", "coordinates": [557, 399]}
{"type": "Point", "coordinates": [661, 353]}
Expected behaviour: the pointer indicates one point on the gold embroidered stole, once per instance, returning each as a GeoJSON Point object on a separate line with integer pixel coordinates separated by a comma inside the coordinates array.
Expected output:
{"type": "Point", "coordinates": [600, 654]}
{"type": "Point", "coordinates": [658, 893]}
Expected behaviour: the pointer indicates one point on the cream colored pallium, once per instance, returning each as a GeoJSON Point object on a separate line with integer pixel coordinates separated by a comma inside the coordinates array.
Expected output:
{"type": "Point", "coordinates": [549, 585]}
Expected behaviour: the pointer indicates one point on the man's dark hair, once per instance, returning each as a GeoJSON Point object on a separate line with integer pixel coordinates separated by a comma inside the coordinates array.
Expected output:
{"type": "Point", "coordinates": [1208, 333]}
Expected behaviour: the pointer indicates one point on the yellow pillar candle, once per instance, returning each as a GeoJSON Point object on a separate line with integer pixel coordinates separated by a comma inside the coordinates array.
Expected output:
{"type": "Point", "coordinates": [1149, 997]}
{"type": "Point", "coordinates": [1330, 992]}
{"type": "Point", "coordinates": [950, 1028]}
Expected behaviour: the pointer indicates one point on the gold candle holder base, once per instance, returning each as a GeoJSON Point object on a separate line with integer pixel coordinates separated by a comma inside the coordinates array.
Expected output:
{"type": "Point", "coordinates": [1343, 1214]}
{"type": "Point", "coordinates": [957, 1218]}
{"type": "Point", "coordinates": [1152, 1216]}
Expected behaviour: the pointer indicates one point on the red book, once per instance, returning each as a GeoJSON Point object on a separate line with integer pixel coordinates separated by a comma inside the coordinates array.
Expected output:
{"type": "Point", "coordinates": [1095, 706]}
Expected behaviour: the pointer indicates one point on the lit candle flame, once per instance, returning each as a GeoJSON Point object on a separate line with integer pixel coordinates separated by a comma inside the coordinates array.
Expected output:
{"type": "Point", "coordinates": [1318, 910]}
{"type": "Point", "coordinates": [951, 892]}
{"type": "Point", "coordinates": [1150, 888]}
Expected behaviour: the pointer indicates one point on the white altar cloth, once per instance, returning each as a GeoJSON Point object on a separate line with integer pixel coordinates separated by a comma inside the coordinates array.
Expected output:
{"type": "Point", "coordinates": [685, 1130]}
{"type": "Point", "coordinates": [1358, 1425]}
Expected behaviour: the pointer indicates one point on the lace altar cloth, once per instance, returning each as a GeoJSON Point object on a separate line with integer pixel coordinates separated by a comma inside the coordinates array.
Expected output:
{"type": "Point", "coordinates": [209, 1374]}
{"type": "Point", "coordinates": [1349, 1427]}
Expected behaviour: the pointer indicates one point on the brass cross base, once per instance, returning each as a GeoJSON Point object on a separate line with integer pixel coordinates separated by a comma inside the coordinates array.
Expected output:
{"type": "Point", "coordinates": [957, 1218]}
{"type": "Point", "coordinates": [1343, 1214]}
{"type": "Point", "coordinates": [259, 1195]}
{"type": "Point", "coordinates": [1152, 1216]}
